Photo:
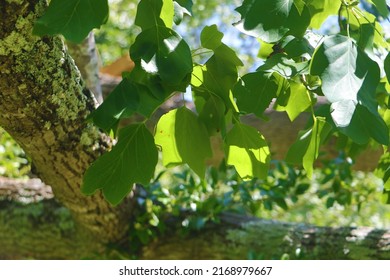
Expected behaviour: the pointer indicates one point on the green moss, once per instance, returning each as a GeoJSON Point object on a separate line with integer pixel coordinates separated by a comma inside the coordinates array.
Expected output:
{"type": "Point", "coordinates": [18, 2]}
{"type": "Point", "coordinates": [89, 135]}
{"type": "Point", "coordinates": [66, 99]}
{"type": "Point", "coordinates": [20, 39]}
{"type": "Point", "coordinates": [14, 43]}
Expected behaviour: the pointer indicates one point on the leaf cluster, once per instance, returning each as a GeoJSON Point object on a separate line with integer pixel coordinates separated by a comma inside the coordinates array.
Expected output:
{"type": "Point", "coordinates": [349, 70]}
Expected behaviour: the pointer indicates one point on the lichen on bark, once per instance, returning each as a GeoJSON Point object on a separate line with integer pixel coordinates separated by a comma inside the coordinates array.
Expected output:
{"type": "Point", "coordinates": [44, 104]}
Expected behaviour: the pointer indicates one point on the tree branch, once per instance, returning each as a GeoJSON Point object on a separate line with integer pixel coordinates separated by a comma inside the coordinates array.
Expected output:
{"type": "Point", "coordinates": [239, 237]}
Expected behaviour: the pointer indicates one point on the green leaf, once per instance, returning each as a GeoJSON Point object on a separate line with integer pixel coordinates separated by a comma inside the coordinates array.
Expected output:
{"type": "Point", "coordinates": [152, 92]}
{"type": "Point", "coordinates": [254, 92]}
{"type": "Point", "coordinates": [366, 124]}
{"type": "Point", "coordinates": [121, 103]}
{"type": "Point", "coordinates": [296, 47]}
{"type": "Point", "coordinates": [299, 101]}
{"type": "Point", "coordinates": [247, 151]}
{"type": "Point", "coordinates": [265, 50]}
{"type": "Point", "coordinates": [387, 67]}
{"type": "Point", "coordinates": [321, 10]}
{"type": "Point", "coordinates": [72, 18]}
{"type": "Point", "coordinates": [152, 13]}
{"type": "Point", "coordinates": [349, 77]}
{"type": "Point", "coordinates": [161, 51]}
{"type": "Point", "coordinates": [192, 140]}
{"type": "Point", "coordinates": [367, 35]}
{"type": "Point", "coordinates": [284, 66]}
{"type": "Point", "coordinates": [342, 112]}
{"type": "Point", "coordinates": [381, 6]}
{"type": "Point", "coordinates": [185, 4]}
{"type": "Point", "coordinates": [165, 138]}
{"type": "Point", "coordinates": [211, 37]}
{"type": "Point", "coordinates": [181, 8]}
{"type": "Point", "coordinates": [271, 20]}
{"type": "Point", "coordinates": [167, 13]}
{"type": "Point", "coordinates": [219, 75]}
{"type": "Point", "coordinates": [212, 114]}
{"type": "Point", "coordinates": [183, 138]}
{"type": "Point", "coordinates": [132, 160]}
{"type": "Point", "coordinates": [306, 148]}
{"type": "Point", "coordinates": [300, 5]}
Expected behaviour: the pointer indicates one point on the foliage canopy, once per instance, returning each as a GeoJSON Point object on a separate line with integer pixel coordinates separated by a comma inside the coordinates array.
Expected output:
{"type": "Point", "coordinates": [351, 69]}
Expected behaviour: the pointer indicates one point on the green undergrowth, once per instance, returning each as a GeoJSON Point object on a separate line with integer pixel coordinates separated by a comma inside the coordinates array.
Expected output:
{"type": "Point", "coordinates": [335, 196]}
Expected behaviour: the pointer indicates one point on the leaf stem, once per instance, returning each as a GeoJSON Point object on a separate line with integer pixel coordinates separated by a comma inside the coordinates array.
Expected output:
{"type": "Point", "coordinates": [348, 26]}
{"type": "Point", "coordinates": [305, 83]}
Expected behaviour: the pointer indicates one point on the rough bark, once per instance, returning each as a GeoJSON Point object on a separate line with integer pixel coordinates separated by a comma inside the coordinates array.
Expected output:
{"type": "Point", "coordinates": [36, 226]}
{"type": "Point", "coordinates": [43, 105]}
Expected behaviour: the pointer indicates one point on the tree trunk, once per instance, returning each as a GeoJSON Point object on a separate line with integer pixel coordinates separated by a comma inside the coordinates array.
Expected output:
{"type": "Point", "coordinates": [43, 105]}
{"type": "Point", "coordinates": [34, 225]}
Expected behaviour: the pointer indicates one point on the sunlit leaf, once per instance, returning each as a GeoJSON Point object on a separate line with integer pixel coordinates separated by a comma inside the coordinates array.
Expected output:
{"type": "Point", "coordinates": [165, 138]}
{"type": "Point", "coordinates": [298, 101]}
{"type": "Point", "coordinates": [247, 151]}
{"type": "Point", "coordinates": [167, 13]}
{"type": "Point", "coordinates": [184, 138]}
{"type": "Point", "coordinates": [284, 66]}
{"type": "Point", "coordinates": [345, 71]}
{"type": "Point", "coordinates": [321, 10]}
{"type": "Point", "coordinates": [349, 77]}
{"type": "Point", "coordinates": [219, 74]}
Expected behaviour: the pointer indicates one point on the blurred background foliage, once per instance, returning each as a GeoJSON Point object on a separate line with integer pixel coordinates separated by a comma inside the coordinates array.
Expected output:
{"type": "Point", "coordinates": [13, 160]}
{"type": "Point", "coordinates": [116, 36]}
{"type": "Point", "coordinates": [335, 196]}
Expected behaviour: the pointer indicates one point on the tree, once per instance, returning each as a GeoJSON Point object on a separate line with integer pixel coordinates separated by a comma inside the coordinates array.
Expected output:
{"type": "Point", "coordinates": [50, 112]}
